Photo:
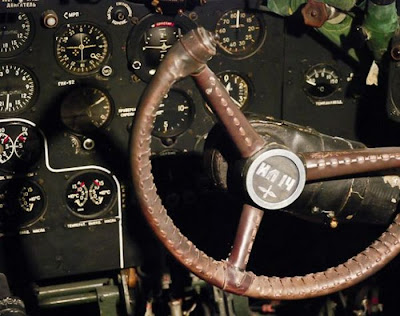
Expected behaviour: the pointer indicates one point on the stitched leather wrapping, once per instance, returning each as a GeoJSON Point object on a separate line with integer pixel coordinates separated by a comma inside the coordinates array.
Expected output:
{"type": "Point", "coordinates": [180, 63]}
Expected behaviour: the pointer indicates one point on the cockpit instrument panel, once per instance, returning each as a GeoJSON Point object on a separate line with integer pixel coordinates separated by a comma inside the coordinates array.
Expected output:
{"type": "Point", "coordinates": [72, 74]}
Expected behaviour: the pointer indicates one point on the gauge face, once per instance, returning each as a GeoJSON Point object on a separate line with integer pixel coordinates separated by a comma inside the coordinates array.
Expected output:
{"type": "Point", "coordinates": [84, 110]}
{"type": "Point", "coordinates": [174, 115]}
{"type": "Point", "coordinates": [18, 89]}
{"type": "Point", "coordinates": [150, 41]}
{"type": "Point", "coordinates": [27, 145]}
{"type": "Point", "coordinates": [22, 203]}
{"type": "Point", "coordinates": [238, 87]}
{"type": "Point", "coordinates": [20, 147]}
{"type": "Point", "coordinates": [16, 33]}
{"type": "Point", "coordinates": [119, 14]}
{"type": "Point", "coordinates": [6, 148]}
{"type": "Point", "coordinates": [98, 191]}
{"type": "Point", "coordinates": [81, 49]}
{"type": "Point", "coordinates": [31, 198]}
{"type": "Point", "coordinates": [90, 194]}
{"type": "Point", "coordinates": [321, 81]}
{"type": "Point", "coordinates": [241, 33]}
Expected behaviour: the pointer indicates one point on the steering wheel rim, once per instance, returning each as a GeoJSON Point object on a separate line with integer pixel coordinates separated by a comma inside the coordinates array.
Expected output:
{"type": "Point", "coordinates": [189, 57]}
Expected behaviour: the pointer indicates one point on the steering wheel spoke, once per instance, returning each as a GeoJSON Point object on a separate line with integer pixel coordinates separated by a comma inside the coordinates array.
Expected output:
{"type": "Point", "coordinates": [246, 139]}
{"type": "Point", "coordinates": [246, 233]}
{"type": "Point", "coordinates": [330, 164]}
{"type": "Point", "coordinates": [189, 56]}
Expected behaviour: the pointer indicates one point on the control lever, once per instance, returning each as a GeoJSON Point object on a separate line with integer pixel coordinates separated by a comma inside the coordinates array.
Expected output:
{"type": "Point", "coordinates": [9, 305]}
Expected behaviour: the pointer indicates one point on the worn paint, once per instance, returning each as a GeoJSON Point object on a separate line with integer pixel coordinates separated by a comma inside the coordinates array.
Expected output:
{"type": "Point", "coordinates": [393, 181]}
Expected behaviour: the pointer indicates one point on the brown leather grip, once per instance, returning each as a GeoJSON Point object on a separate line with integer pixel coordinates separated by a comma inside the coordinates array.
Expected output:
{"type": "Point", "coordinates": [328, 164]}
{"type": "Point", "coordinates": [219, 273]}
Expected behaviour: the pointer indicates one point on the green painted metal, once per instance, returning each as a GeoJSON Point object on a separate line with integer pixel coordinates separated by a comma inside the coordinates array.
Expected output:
{"type": "Point", "coordinates": [284, 7]}
{"type": "Point", "coordinates": [337, 33]}
{"type": "Point", "coordinates": [70, 288]}
{"type": "Point", "coordinates": [100, 291]}
{"type": "Point", "coordinates": [68, 300]}
{"type": "Point", "coordinates": [344, 5]}
{"type": "Point", "coordinates": [108, 300]}
{"type": "Point", "coordinates": [288, 7]}
{"type": "Point", "coordinates": [380, 24]}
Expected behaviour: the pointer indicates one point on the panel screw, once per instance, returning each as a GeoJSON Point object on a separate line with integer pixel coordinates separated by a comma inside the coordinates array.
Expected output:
{"type": "Point", "coordinates": [106, 71]}
{"type": "Point", "coordinates": [88, 144]}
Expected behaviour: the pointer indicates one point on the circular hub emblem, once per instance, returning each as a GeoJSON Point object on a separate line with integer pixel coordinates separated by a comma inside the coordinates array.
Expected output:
{"type": "Point", "coordinates": [275, 179]}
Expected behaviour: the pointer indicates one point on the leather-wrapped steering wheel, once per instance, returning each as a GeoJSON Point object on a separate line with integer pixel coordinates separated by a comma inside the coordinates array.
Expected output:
{"type": "Point", "coordinates": [273, 177]}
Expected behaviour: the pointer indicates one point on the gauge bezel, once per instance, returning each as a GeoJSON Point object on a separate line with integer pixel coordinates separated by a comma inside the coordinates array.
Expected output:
{"type": "Point", "coordinates": [16, 185]}
{"type": "Point", "coordinates": [191, 118]}
{"type": "Point", "coordinates": [94, 128]}
{"type": "Point", "coordinates": [44, 209]}
{"type": "Point", "coordinates": [27, 43]}
{"type": "Point", "coordinates": [249, 83]}
{"type": "Point", "coordinates": [135, 40]}
{"type": "Point", "coordinates": [100, 213]}
{"type": "Point", "coordinates": [63, 29]}
{"type": "Point", "coordinates": [259, 42]}
{"type": "Point", "coordinates": [36, 90]}
{"type": "Point", "coordinates": [16, 164]}
{"type": "Point", "coordinates": [319, 65]}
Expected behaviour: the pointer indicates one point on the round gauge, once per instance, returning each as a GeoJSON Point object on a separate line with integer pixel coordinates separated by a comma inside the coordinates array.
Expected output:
{"type": "Point", "coordinates": [321, 81]}
{"type": "Point", "coordinates": [16, 33]}
{"type": "Point", "coordinates": [81, 49]}
{"type": "Point", "coordinates": [30, 198]}
{"type": "Point", "coordinates": [98, 191]}
{"type": "Point", "coordinates": [6, 148]}
{"type": "Point", "coordinates": [90, 194]}
{"type": "Point", "coordinates": [18, 89]}
{"type": "Point", "coordinates": [119, 14]}
{"type": "Point", "coordinates": [174, 115]}
{"type": "Point", "coordinates": [22, 203]}
{"type": "Point", "coordinates": [79, 196]}
{"type": "Point", "coordinates": [238, 87]}
{"type": "Point", "coordinates": [84, 110]}
{"type": "Point", "coordinates": [20, 147]}
{"type": "Point", "coordinates": [151, 39]}
{"type": "Point", "coordinates": [241, 33]}
{"type": "Point", "coordinates": [27, 145]}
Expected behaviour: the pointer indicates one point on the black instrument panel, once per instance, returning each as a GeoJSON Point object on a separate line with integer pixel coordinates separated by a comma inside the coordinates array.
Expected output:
{"type": "Point", "coordinates": [71, 76]}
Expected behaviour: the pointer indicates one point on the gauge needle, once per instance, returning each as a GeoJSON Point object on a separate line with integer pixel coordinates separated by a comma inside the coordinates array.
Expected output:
{"type": "Point", "coordinates": [236, 102]}
{"type": "Point", "coordinates": [82, 47]}
{"type": "Point", "coordinates": [237, 19]}
{"type": "Point", "coordinates": [97, 102]}
{"type": "Point", "coordinates": [94, 56]}
{"type": "Point", "coordinates": [7, 101]}
{"type": "Point", "coordinates": [311, 82]}
{"type": "Point", "coordinates": [162, 47]}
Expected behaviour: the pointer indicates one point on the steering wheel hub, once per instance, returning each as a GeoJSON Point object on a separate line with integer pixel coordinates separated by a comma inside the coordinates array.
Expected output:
{"type": "Point", "coordinates": [274, 178]}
